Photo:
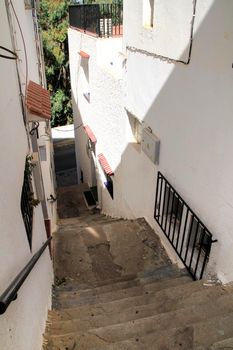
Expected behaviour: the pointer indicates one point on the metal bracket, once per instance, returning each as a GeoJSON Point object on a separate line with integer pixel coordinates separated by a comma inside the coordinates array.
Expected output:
{"type": "Point", "coordinates": [51, 198]}
{"type": "Point", "coordinates": [32, 131]}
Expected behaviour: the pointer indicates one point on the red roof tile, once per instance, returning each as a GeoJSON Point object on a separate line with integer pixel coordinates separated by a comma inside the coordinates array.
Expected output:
{"type": "Point", "coordinates": [106, 167]}
{"type": "Point", "coordinates": [84, 54]}
{"type": "Point", "coordinates": [90, 134]}
{"type": "Point", "coordinates": [38, 100]}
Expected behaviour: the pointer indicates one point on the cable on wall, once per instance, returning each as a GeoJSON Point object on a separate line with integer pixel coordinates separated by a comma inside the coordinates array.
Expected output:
{"type": "Point", "coordinates": [8, 57]}
{"type": "Point", "coordinates": [8, 3]}
{"type": "Point", "coordinates": [24, 44]}
{"type": "Point", "coordinates": [169, 59]}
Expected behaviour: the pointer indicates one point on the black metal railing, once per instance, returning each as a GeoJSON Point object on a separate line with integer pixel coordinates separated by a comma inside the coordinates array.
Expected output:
{"type": "Point", "coordinates": [103, 20]}
{"type": "Point", "coordinates": [10, 294]}
{"type": "Point", "coordinates": [187, 234]}
{"type": "Point", "coordinates": [26, 207]}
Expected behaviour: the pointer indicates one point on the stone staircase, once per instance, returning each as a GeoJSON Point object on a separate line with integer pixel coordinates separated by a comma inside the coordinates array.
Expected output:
{"type": "Point", "coordinates": [117, 289]}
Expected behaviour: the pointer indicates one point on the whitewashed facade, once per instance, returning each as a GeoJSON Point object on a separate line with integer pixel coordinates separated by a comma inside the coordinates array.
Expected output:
{"type": "Point", "coordinates": [23, 323]}
{"type": "Point", "coordinates": [170, 74]}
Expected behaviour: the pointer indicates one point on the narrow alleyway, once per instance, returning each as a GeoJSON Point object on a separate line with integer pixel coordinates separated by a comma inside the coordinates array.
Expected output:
{"type": "Point", "coordinates": [91, 247]}
{"type": "Point", "coordinates": [64, 159]}
{"type": "Point", "coordinates": [115, 288]}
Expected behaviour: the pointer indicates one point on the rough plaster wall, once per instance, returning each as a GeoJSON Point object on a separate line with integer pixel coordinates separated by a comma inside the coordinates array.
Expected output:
{"type": "Point", "coordinates": [174, 15]}
{"type": "Point", "coordinates": [105, 113]}
{"type": "Point", "coordinates": [190, 109]}
{"type": "Point", "coordinates": [22, 325]}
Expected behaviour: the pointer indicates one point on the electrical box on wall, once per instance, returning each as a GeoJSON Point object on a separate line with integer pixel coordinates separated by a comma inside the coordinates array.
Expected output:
{"type": "Point", "coordinates": [150, 145]}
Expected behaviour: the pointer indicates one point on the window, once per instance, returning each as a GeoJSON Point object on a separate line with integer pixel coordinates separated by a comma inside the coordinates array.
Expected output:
{"type": "Point", "coordinates": [148, 13]}
{"type": "Point", "coordinates": [173, 210]}
{"type": "Point", "coordinates": [43, 154]}
{"type": "Point", "coordinates": [174, 207]}
{"type": "Point", "coordinates": [26, 206]}
{"type": "Point", "coordinates": [28, 201]}
{"type": "Point", "coordinates": [109, 185]}
{"type": "Point", "coordinates": [136, 127]}
{"type": "Point", "coordinates": [81, 176]}
{"type": "Point", "coordinates": [108, 172]}
{"type": "Point", "coordinates": [85, 77]}
{"type": "Point", "coordinates": [197, 234]}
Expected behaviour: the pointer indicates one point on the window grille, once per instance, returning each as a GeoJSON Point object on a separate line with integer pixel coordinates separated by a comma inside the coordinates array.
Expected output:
{"type": "Point", "coordinates": [27, 206]}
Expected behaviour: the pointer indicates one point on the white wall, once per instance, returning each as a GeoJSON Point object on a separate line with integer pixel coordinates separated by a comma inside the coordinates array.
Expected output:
{"type": "Point", "coordinates": [22, 325]}
{"type": "Point", "coordinates": [189, 107]}
{"type": "Point", "coordinates": [29, 70]}
{"type": "Point", "coordinates": [105, 112]}
{"type": "Point", "coordinates": [48, 173]}
{"type": "Point", "coordinates": [159, 39]}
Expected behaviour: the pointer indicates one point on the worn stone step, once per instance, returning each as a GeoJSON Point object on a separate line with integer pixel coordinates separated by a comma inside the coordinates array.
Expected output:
{"type": "Point", "coordinates": [201, 334]}
{"type": "Point", "coordinates": [72, 299]}
{"type": "Point", "coordinates": [164, 272]}
{"type": "Point", "coordinates": [86, 220]}
{"type": "Point", "coordinates": [120, 287]}
{"type": "Point", "coordinates": [164, 300]}
{"type": "Point", "coordinates": [72, 284]}
{"type": "Point", "coordinates": [223, 344]}
{"type": "Point", "coordinates": [184, 316]}
{"type": "Point", "coordinates": [204, 335]}
{"type": "Point", "coordinates": [160, 285]}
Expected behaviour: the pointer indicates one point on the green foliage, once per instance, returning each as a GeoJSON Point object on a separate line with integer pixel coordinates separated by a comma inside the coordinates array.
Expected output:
{"type": "Point", "coordinates": [29, 165]}
{"type": "Point", "coordinates": [54, 25]}
{"type": "Point", "coordinates": [61, 105]}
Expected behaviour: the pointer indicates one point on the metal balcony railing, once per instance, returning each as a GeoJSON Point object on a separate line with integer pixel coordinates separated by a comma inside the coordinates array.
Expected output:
{"type": "Point", "coordinates": [101, 20]}
{"type": "Point", "coordinates": [187, 234]}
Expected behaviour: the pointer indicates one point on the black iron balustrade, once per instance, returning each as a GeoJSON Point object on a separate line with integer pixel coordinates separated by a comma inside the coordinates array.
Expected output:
{"type": "Point", "coordinates": [103, 20]}
{"type": "Point", "coordinates": [10, 294]}
{"type": "Point", "coordinates": [187, 234]}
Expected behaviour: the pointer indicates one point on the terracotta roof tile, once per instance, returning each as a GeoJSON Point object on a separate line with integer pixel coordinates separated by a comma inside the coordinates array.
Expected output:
{"type": "Point", "coordinates": [84, 54]}
{"type": "Point", "coordinates": [90, 134]}
{"type": "Point", "coordinates": [106, 167]}
{"type": "Point", "coordinates": [38, 100]}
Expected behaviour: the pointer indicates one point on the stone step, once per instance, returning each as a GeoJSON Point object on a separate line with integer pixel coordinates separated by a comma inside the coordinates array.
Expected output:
{"type": "Point", "coordinates": [184, 316]}
{"type": "Point", "coordinates": [120, 287]}
{"type": "Point", "coordinates": [165, 300]}
{"type": "Point", "coordinates": [159, 286]}
{"type": "Point", "coordinates": [69, 299]}
{"type": "Point", "coordinates": [125, 281]}
{"type": "Point", "coordinates": [201, 334]}
{"type": "Point", "coordinates": [87, 220]}
{"type": "Point", "coordinates": [76, 285]}
{"type": "Point", "coordinates": [204, 335]}
{"type": "Point", "coordinates": [223, 344]}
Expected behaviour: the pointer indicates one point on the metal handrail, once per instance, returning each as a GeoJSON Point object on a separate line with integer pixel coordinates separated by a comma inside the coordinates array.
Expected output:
{"type": "Point", "coordinates": [187, 234]}
{"type": "Point", "coordinates": [10, 294]}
